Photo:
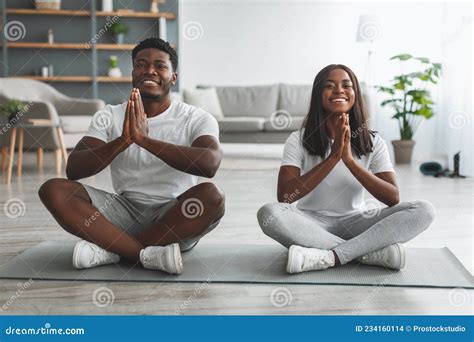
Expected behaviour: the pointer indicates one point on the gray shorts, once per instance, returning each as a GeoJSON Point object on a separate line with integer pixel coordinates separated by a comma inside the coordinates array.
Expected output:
{"type": "Point", "coordinates": [134, 217]}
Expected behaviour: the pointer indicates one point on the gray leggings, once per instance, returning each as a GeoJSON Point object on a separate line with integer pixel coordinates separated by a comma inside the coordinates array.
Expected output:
{"type": "Point", "coordinates": [350, 237]}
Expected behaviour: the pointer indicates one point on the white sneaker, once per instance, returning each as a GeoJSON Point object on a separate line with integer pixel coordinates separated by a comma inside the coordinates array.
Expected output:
{"type": "Point", "coordinates": [392, 256]}
{"type": "Point", "coordinates": [87, 255]}
{"type": "Point", "coordinates": [167, 258]}
{"type": "Point", "coordinates": [301, 259]}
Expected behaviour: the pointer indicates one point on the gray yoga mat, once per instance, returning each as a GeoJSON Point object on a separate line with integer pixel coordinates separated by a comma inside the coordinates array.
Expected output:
{"type": "Point", "coordinates": [425, 267]}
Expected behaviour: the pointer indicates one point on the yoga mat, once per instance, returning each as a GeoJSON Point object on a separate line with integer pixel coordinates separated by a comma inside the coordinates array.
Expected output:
{"type": "Point", "coordinates": [219, 263]}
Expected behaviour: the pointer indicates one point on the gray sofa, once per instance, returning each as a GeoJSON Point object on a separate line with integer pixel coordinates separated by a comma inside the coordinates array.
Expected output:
{"type": "Point", "coordinates": [48, 103]}
{"type": "Point", "coordinates": [261, 114]}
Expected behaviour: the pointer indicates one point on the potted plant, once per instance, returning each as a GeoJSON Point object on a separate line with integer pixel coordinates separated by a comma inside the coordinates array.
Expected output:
{"type": "Point", "coordinates": [119, 30]}
{"type": "Point", "coordinates": [114, 70]}
{"type": "Point", "coordinates": [411, 101]}
{"type": "Point", "coordinates": [11, 110]}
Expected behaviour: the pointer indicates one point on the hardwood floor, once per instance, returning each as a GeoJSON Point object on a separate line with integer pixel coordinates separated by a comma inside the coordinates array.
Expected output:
{"type": "Point", "coordinates": [248, 184]}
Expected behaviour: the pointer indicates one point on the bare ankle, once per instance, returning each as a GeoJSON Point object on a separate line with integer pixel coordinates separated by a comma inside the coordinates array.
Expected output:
{"type": "Point", "coordinates": [337, 262]}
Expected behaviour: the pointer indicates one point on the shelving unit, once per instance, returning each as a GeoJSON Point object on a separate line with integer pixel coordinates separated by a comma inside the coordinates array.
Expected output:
{"type": "Point", "coordinates": [82, 13]}
{"type": "Point", "coordinates": [92, 47]}
{"type": "Point", "coordinates": [80, 46]}
{"type": "Point", "coordinates": [102, 79]}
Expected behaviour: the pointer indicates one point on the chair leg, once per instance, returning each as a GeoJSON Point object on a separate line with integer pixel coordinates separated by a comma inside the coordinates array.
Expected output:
{"type": "Point", "coordinates": [11, 155]}
{"type": "Point", "coordinates": [58, 160]}
{"type": "Point", "coordinates": [4, 157]}
{"type": "Point", "coordinates": [21, 137]}
{"type": "Point", "coordinates": [39, 157]}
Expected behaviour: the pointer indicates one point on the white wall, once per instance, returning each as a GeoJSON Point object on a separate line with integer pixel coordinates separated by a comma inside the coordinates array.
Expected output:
{"type": "Point", "coordinates": [242, 42]}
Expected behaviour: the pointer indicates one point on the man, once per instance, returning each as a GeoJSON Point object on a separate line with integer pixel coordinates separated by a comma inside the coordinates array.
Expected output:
{"type": "Point", "coordinates": [156, 149]}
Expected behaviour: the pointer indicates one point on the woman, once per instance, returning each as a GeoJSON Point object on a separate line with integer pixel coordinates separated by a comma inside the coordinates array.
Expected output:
{"type": "Point", "coordinates": [326, 167]}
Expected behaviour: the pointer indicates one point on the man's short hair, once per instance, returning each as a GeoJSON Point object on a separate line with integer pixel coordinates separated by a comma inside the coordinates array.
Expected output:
{"type": "Point", "coordinates": [159, 44]}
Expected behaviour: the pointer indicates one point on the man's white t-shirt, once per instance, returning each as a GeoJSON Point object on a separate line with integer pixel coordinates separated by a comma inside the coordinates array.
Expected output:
{"type": "Point", "coordinates": [137, 173]}
{"type": "Point", "coordinates": [339, 193]}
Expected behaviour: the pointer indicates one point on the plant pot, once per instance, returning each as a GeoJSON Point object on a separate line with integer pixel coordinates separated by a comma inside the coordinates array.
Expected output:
{"type": "Point", "coordinates": [115, 72]}
{"type": "Point", "coordinates": [403, 151]}
{"type": "Point", "coordinates": [13, 118]}
{"type": "Point", "coordinates": [119, 38]}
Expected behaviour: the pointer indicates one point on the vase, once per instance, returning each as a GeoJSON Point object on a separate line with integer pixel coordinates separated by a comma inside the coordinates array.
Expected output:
{"type": "Point", "coordinates": [403, 150]}
{"type": "Point", "coordinates": [115, 72]}
{"type": "Point", "coordinates": [13, 119]}
{"type": "Point", "coordinates": [107, 5]}
{"type": "Point", "coordinates": [119, 38]}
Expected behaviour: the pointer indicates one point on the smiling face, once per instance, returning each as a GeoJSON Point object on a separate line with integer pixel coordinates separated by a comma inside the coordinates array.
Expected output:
{"type": "Point", "coordinates": [338, 94]}
{"type": "Point", "coordinates": [153, 73]}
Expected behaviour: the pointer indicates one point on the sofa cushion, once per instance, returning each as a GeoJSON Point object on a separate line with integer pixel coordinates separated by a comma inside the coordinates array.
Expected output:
{"type": "Point", "coordinates": [253, 101]}
{"type": "Point", "coordinates": [206, 99]}
{"type": "Point", "coordinates": [282, 122]}
{"type": "Point", "coordinates": [75, 123]}
{"type": "Point", "coordinates": [295, 98]}
{"type": "Point", "coordinates": [241, 124]}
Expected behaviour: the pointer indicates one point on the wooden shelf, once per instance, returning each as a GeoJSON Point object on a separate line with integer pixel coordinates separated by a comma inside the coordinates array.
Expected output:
{"type": "Point", "coordinates": [28, 11]}
{"type": "Point", "coordinates": [115, 46]}
{"type": "Point", "coordinates": [79, 79]}
{"type": "Point", "coordinates": [77, 46]}
{"type": "Point", "coordinates": [107, 79]}
{"type": "Point", "coordinates": [31, 45]}
{"type": "Point", "coordinates": [81, 13]}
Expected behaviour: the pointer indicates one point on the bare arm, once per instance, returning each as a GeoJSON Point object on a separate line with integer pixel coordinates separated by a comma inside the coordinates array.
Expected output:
{"type": "Point", "coordinates": [292, 186]}
{"type": "Point", "coordinates": [91, 156]}
{"type": "Point", "coordinates": [202, 158]}
{"type": "Point", "coordinates": [382, 186]}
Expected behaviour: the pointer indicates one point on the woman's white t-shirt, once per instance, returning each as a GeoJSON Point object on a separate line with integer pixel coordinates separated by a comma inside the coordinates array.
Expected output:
{"type": "Point", "coordinates": [339, 193]}
{"type": "Point", "coordinates": [139, 174]}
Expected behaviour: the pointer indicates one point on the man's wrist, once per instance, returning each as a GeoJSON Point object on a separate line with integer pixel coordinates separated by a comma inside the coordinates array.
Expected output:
{"type": "Point", "coordinates": [123, 144]}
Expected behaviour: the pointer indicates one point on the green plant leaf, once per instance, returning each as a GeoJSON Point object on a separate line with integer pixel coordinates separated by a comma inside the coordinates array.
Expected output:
{"type": "Point", "coordinates": [423, 60]}
{"type": "Point", "coordinates": [402, 57]}
{"type": "Point", "coordinates": [389, 101]}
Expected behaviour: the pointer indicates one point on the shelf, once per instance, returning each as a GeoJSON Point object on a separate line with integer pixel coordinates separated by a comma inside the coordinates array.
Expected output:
{"type": "Point", "coordinates": [115, 46]}
{"type": "Point", "coordinates": [79, 79]}
{"type": "Point", "coordinates": [82, 13]}
{"type": "Point", "coordinates": [107, 79]}
{"type": "Point", "coordinates": [28, 11]}
{"type": "Point", "coordinates": [30, 45]}
{"type": "Point", "coordinates": [77, 46]}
